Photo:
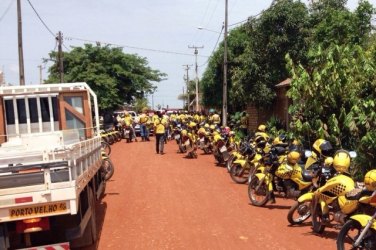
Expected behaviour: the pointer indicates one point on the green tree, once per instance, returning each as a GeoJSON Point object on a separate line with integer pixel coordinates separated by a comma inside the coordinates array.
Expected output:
{"type": "Point", "coordinates": [191, 94]}
{"type": "Point", "coordinates": [140, 104]}
{"type": "Point", "coordinates": [281, 29]}
{"type": "Point", "coordinates": [257, 56]}
{"type": "Point", "coordinates": [116, 77]}
{"type": "Point", "coordinates": [333, 23]}
{"type": "Point", "coordinates": [212, 80]}
{"type": "Point", "coordinates": [335, 99]}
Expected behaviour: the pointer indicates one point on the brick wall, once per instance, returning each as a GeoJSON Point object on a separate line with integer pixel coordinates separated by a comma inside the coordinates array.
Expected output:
{"type": "Point", "coordinates": [279, 109]}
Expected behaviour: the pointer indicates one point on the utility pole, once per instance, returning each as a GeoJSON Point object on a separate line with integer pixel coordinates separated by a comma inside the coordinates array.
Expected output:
{"type": "Point", "coordinates": [196, 70]}
{"type": "Point", "coordinates": [224, 99]}
{"type": "Point", "coordinates": [20, 47]}
{"type": "Point", "coordinates": [187, 68]}
{"type": "Point", "coordinates": [60, 56]}
{"type": "Point", "coordinates": [40, 74]}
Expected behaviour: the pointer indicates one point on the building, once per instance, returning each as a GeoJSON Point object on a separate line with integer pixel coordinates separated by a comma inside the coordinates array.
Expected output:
{"type": "Point", "coordinates": [279, 108]}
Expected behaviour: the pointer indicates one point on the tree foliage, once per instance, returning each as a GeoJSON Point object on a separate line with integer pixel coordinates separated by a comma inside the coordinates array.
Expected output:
{"type": "Point", "coordinates": [333, 95]}
{"type": "Point", "coordinates": [256, 56]}
{"type": "Point", "coordinates": [212, 80]}
{"type": "Point", "coordinates": [116, 77]}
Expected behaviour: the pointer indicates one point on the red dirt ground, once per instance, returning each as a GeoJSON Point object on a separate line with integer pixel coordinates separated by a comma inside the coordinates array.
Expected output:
{"type": "Point", "coordinates": [170, 202]}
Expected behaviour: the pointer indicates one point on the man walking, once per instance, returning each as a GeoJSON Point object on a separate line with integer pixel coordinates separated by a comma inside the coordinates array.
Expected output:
{"type": "Point", "coordinates": [159, 130]}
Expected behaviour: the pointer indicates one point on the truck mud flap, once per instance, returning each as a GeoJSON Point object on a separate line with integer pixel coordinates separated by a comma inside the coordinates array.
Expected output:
{"type": "Point", "coordinates": [4, 239]}
{"type": "Point", "coordinates": [77, 232]}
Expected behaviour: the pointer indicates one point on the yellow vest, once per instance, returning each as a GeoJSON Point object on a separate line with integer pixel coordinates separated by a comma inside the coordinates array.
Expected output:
{"type": "Point", "coordinates": [128, 120]}
{"type": "Point", "coordinates": [159, 125]}
{"type": "Point", "coordinates": [143, 118]}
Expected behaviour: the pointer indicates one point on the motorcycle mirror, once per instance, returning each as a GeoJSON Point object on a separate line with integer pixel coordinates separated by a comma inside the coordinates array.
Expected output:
{"type": "Point", "coordinates": [353, 154]}
{"type": "Point", "coordinates": [307, 153]}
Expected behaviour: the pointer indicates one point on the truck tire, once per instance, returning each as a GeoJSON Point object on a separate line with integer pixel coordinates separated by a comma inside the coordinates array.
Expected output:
{"type": "Point", "coordinates": [90, 236]}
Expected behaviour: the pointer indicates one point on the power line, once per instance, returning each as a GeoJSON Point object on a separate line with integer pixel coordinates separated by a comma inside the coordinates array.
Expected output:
{"type": "Point", "coordinates": [6, 10]}
{"type": "Point", "coordinates": [215, 46]}
{"type": "Point", "coordinates": [131, 47]}
{"type": "Point", "coordinates": [45, 25]}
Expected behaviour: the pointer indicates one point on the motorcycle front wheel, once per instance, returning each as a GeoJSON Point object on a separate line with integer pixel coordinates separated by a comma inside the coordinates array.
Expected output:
{"type": "Point", "coordinates": [238, 174]}
{"type": "Point", "coordinates": [260, 196]}
{"type": "Point", "coordinates": [317, 222]}
{"type": "Point", "coordinates": [230, 161]}
{"type": "Point", "coordinates": [299, 212]}
{"type": "Point", "coordinates": [348, 235]}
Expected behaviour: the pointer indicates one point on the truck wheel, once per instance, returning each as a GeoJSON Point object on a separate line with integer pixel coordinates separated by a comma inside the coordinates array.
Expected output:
{"type": "Point", "coordinates": [89, 237]}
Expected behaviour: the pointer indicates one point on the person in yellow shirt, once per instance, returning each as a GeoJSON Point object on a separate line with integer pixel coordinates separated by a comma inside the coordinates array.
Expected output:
{"type": "Point", "coordinates": [144, 118]}
{"type": "Point", "coordinates": [159, 131]}
{"type": "Point", "coordinates": [244, 123]}
{"type": "Point", "coordinates": [216, 119]}
{"type": "Point", "coordinates": [128, 121]}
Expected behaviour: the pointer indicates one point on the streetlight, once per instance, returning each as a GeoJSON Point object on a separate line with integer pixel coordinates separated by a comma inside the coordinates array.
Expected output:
{"type": "Point", "coordinates": [202, 28]}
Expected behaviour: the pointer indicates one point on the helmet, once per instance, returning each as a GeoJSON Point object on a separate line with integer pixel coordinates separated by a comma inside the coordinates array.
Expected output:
{"type": "Point", "coordinates": [261, 128]}
{"type": "Point", "coordinates": [293, 157]}
{"type": "Point", "coordinates": [341, 161]}
{"type": "Point", "coordinates": [322, 147]}
{"type": "Point", "coordinates": [184, 132]}
{"type": "Point", "coordinates": [212, 127]}
{"type": "Point", "coordinates": [370, 180]}
{"type": "Point", "coordinates": [206, 125]}
{"type": "Point", "coordinates": [192, 124]}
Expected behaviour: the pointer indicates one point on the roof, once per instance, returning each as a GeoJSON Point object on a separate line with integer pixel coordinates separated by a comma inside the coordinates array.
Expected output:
{"type": "Point", "coordinates": [285, 83]}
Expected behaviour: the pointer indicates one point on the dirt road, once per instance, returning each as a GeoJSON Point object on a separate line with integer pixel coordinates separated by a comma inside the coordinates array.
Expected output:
{"type": "Point", "coordinates": [169, 202]}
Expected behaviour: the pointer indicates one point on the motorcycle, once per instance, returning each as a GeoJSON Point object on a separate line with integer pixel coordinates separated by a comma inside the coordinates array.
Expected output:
{"type": "Point", "coordinates": [333, 202]}
{"type": "Point", "coordinates": [220, 149]}
{"type": "Point", "coordinates": [321, 170]}
{"type": "Point", "coordinates": [128, 133]}
{"type": "Point", "coordinates": [359, 232]}
{"type": "Point", "coordinates": [280, 173]}
{"type": "Point", "coordinates": [107, 166]}
{"type": "Point", "coordinates": [246, 164]}
{"type": "Point", "coordinates": [205, 143]}
{"type": "Point", "coordinates": [187, 144]}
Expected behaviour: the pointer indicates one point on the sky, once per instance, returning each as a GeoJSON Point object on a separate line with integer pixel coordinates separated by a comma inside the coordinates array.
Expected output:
{"type": "Point", "coordinates": [160, 30]}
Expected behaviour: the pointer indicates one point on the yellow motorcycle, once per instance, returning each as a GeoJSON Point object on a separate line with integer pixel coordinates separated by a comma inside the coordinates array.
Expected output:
{"type": "Point", "coordinates": [245, 164]}
{"type": "Point", "coordinates": [318, 164]}
{"type": "Point", "coordinates": [332, 202]}
{"type": "Point", "coordinates": [321, 172]}
{"type": "Point", "coordinates": [359, 232]}
{"type": "Point", "coordinates": [280, 173]}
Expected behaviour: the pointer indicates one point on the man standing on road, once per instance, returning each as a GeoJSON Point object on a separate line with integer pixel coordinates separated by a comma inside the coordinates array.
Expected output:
{"type": "Point", "coordinates": [144, 130]}
{"type": "Point", "coordinates": [159, 130]}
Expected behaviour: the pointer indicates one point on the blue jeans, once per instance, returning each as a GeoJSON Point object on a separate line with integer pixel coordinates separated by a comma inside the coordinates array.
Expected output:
{"type": "Point", "coordinates": [159, 143]}
{"type": "Point", "coordinates": [144, 131]}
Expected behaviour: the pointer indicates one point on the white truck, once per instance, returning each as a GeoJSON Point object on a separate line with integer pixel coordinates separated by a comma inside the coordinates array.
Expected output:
{"type": "Point", "coordinates": [50, 166]}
